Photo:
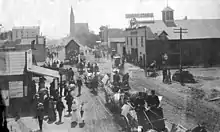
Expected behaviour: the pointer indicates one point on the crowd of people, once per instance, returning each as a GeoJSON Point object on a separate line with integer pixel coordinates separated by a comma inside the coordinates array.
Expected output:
{"type": "Point", "coordinates": [48, 102]}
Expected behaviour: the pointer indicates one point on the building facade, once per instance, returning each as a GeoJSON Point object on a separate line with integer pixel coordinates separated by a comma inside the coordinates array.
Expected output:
{"type": "Point", "coordinates": [25, 32]}
{"type": "Point", "coordinates": [39, 53]}
{"type": "Point", "coordinates": [16, 72]}
{"type": "Point", "coordinates": [198, 42]}
{"type": "Point", "coordinates": [117, 44]}
{"type": "Point", "coordinates": [72, 49]}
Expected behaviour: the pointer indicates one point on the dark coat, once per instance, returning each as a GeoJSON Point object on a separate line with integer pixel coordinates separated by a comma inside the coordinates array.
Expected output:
{"type": "Point", "coordinates": [79, 82]}
{"type": "Point", "coordinates": [116, 78]}
{"type": "Point", "coordinates": [40, 112]}
{"type": "Point", "coordinates": [69, 99]}
{"type": "Point", "coordinates": [60, 106]}
{"type": "Point", "coordinates": [153, 100]}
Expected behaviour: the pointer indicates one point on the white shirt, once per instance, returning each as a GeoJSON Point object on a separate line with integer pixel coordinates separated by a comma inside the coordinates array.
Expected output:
{"type": "Point", "coordinates": [117, 96]}
{"type": "Point", "coordinates": [125, 110]}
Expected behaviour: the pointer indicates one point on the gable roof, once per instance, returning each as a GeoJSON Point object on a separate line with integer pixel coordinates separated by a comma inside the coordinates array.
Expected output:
{"type": "Point", "coordinates": [68, 39]}
{"type": "Point", "coordinates": [168, 9]}
{"type": "Point", "coordinates": [197, 28]}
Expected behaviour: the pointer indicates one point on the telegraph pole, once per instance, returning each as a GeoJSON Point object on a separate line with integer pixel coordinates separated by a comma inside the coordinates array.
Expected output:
{"type": "Point", "coordinates": [180, 31]}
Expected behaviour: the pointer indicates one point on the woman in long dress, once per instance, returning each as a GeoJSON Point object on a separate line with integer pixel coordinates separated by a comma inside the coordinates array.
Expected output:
{"type": "Point", "coordinates": [74, 117]}
{"type": "Point", "coordinates": [81, 112]}
{"type": "Point", "coordinates": [51, 112]}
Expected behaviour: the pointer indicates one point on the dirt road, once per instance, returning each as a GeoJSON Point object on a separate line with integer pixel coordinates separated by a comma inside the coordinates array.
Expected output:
{"type": "Point", "coordinates": [178, 107]}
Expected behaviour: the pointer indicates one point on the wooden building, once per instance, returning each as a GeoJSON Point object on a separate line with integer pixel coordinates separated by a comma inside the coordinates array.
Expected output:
{"type": "Point", "coordinates": [200, 45]}
{"type": "Point", "coordinates": [16, 72]}
{"type": "Point", "coordinates": [72, 48]}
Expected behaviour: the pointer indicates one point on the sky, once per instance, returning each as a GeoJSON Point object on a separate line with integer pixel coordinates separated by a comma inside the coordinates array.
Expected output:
{"type": "Point", "coordinates": [53, 15]}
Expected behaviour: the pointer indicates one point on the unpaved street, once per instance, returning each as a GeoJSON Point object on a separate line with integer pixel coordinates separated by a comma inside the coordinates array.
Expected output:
{"type": "Point", "coordinates": [178, 107]}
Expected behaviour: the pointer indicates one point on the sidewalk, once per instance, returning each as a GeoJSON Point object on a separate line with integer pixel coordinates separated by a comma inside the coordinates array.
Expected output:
{"type": "Point", "coordinates": [14, 126]}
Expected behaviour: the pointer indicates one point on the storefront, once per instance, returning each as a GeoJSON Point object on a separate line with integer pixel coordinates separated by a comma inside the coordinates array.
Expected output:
{"type": "Point", "coordinates": [16, 73]}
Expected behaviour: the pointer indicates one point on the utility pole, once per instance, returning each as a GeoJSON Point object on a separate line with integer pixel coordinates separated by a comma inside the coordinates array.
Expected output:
{"type": "Point", "coordinates": [180, 31]}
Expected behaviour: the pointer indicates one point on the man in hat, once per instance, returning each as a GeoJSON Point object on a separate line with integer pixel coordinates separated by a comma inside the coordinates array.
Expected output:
{"type": "Point", "coordinates": [35, 104]}
{"type": "Point", "coordinates": [116, 78]}
{"type": "Point", "coordinates": [125, 79]}
{"type": "Point", "coordinates": [79, 84]}
{"type": "Point", "coordinates": [60, 107]}
{"type": "Point", "coordinates": [69, 100]}
{"type": "Point", "coordinates": [71, 74]}
{"type": "Point", "coordinates": [40, 114]}
{"type": "Point", "coordinates": [153, 100]}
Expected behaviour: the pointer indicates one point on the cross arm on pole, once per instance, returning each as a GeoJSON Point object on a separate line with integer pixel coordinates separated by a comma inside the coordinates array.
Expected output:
{"type": "Point", "coordinates": [180, 32]}
{"type": "Point", "coordinates": [181, 29]}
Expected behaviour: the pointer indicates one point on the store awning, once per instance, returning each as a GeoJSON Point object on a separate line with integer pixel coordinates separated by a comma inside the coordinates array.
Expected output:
{"type": "Point", "coordinates": [43, 71]}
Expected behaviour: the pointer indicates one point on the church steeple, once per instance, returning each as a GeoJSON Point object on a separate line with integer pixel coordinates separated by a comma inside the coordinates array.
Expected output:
{"type": "Point", "coordinates": [72, 23]}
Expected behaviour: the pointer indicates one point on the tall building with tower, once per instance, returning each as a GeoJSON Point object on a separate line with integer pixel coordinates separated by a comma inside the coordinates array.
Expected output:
{"type": "Point", "coordinates": [77, 28]}
{"type": "Point", "coordinates": [72, 23]}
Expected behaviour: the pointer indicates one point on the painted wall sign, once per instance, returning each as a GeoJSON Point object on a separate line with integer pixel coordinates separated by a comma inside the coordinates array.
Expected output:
{"type": "Point", "coordinates": [139, 15]}
{"type": "Point", "coordinates": [16, 89]}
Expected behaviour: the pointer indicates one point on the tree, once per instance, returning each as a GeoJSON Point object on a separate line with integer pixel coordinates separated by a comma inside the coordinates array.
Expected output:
{"type": "Point", "coordinates": [87, 38]}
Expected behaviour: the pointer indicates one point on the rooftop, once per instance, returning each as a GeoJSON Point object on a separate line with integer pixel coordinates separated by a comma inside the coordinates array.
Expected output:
{"type": "Point", "coordinates": [196, 28]}
{"type": "Point", "coordinates": [168, 9]}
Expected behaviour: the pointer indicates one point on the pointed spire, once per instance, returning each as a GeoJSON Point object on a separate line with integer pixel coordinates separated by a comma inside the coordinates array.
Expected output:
{"type": "Point", "coordinates": [71, 10]}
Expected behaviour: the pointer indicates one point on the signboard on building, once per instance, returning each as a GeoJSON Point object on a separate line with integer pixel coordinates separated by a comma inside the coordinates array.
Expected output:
{"type": "Point", "coordinates": [16, 89]}
{"type": "Point", "coordinates": [29, 59]}
{"type": "Point", "coordinates": [139, 15]}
